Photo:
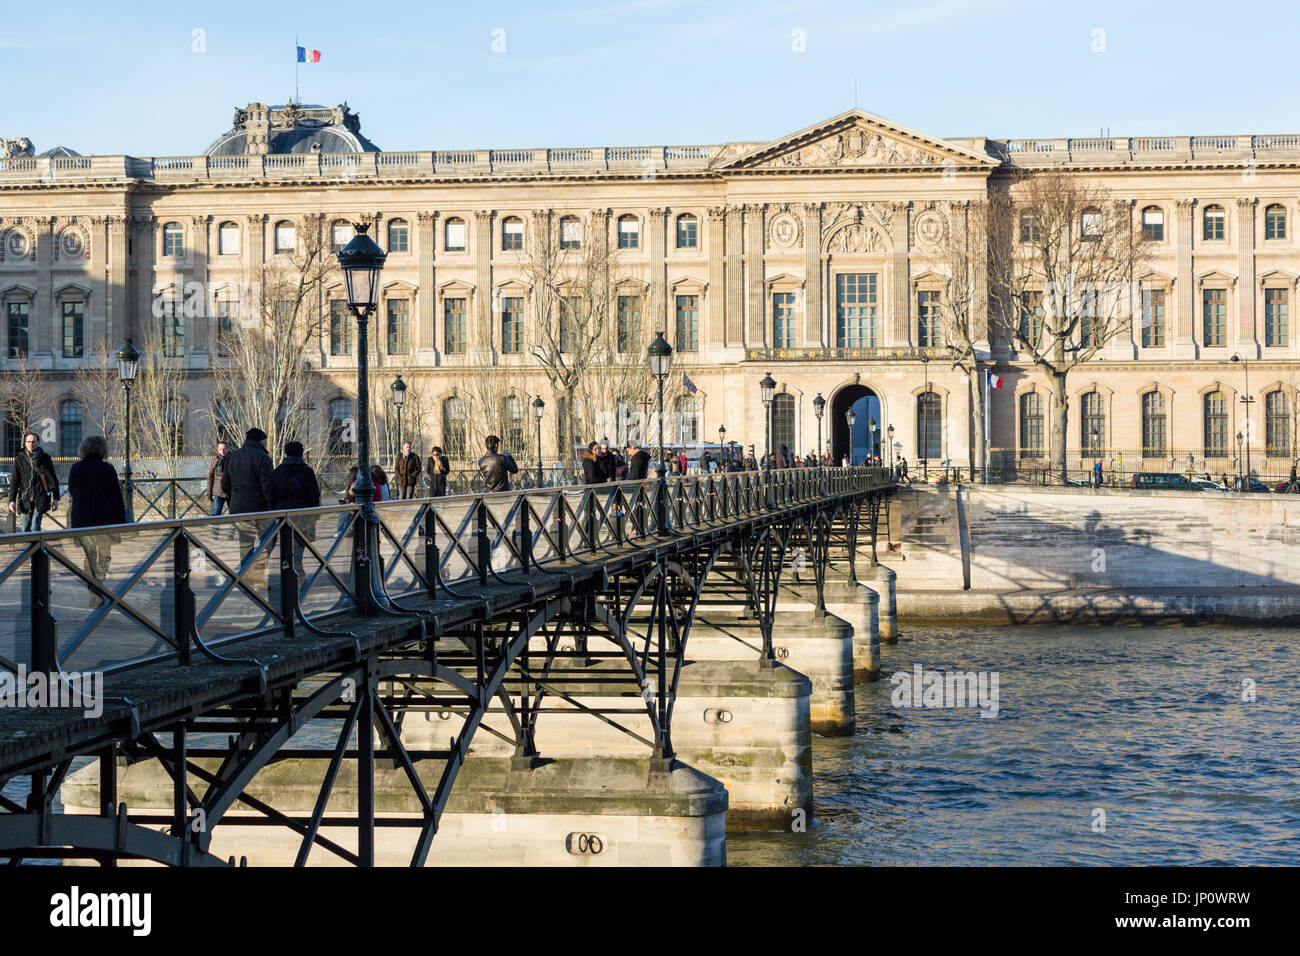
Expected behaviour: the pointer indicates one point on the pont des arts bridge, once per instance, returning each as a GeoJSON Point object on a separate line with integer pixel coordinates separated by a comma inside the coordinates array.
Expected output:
{"type": "Point", "coordinates": [602, 674]}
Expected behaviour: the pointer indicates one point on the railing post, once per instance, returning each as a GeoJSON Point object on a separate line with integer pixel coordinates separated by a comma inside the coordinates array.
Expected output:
{"type": "Point", "coordinates": [431, 557]}
{"type": "Point", "coordinates": [484, 549]}
{"type": "Point", "coordinates": [591, 519]}
{"type": "Point", "coordinates": [561, 534]}
{"type": "Point", "coordinates": [171, 502]}
{"type": "Point", "coordinates": [525, 535]}
{"type": "Point", "coordinates": [182, 597]}
{"type": "Point", "coordinates": [288, 579]}
{"type": "Point", "coordinates": [44, 656]}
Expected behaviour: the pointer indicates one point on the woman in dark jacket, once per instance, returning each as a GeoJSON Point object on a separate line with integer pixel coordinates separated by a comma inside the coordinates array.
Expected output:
{"type": "Point", "coordinates": [294, 485]}
{"type": "Point", "coordinates": [592, 474]}
{"type": "Point", "coordinates": [96, 501]}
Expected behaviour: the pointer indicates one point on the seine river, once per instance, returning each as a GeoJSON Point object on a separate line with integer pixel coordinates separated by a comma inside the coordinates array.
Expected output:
{"type": "Point", "coordinates": [1145, 724]}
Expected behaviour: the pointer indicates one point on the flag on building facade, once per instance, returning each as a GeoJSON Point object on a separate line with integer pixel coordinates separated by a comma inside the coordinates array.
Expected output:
{"type": "Point", "coordinates": [688, 384]}
{"type": "Point", "coordinates": [993, 380]}
{"type": "Point", "coordinates": [308, 55]}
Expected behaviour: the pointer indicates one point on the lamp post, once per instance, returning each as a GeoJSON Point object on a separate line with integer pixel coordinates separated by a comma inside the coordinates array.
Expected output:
{"type": "Point", "coordinates": [1239, 462]}
{"type": "Point", "coordinates": [1246, 400]}
{"type": "Point", "coordinates": [890, 431]}
{"type": "Point", "coordinates": [661, 359]}
{"type": "Point", "coordinates": [924, 446]}
{"type": "Point", "coordinates": [361, 262]}
{"type": "Point", "coordinates": [128, 365]}
{"type": "Point", "coordinates": [767, 388]}
{"type": "Point", "coordinates": [819, 409]}
{"type": "Point", "coordinates": [398, 388]}
{"type": "Point", "coordinates": [852, 418]}
{"type": "Point", "coordinates": [871, 438]}
{"type": "Point", "coordinates": [539, 409]}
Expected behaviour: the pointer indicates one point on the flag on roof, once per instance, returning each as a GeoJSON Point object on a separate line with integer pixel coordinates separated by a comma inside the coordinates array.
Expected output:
{"type": "Point", "coordinates": [308, 55]}
{"type": "Point", "coordinates": [688, 384]}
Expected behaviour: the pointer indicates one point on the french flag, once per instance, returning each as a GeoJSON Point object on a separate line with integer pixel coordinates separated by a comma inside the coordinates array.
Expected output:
{"type": "Point", "coordinates": [308, 55]}
{"type": "Point", "coordinates": [993, 380]}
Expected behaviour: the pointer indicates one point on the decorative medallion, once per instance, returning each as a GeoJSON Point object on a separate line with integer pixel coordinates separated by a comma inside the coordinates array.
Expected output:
{"type": "Point", "coordinates": [784, 231]}
{"type": "Point", "coordinates": [929, 228]}
{"type": "Point", "coordinates": [72, 244]}
{"type": "Point", "coordinates": [16, 245]}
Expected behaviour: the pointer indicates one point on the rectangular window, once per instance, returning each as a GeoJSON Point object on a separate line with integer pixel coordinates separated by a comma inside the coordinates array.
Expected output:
{"type": "Point", "coordinates": [399, 327]}
{"type": "Point", "coordinates": [1275, 316]}
{"type": "Point", "coordinates": [455, 236]}
{"type": "Point", "coordinates": [74, 329]}
{"type": "Point", "coordinates": [1216, 425]}
{"type": "Point", "coordinates": [569, 313]}
{"type": "Point", "coordinates": [1153, 425]}
{"type": "Point", "coordinates": [688, 323]}
{"type": "Point", "coordinates": [227, 316]}
{"type": "Point", "coordinates": [1031, 317]}
{"type": "Point", "coordinates": [70, 428]}
{"type": "Point", "coordinates": [929, 425]}
{"type": "Point", "coordinates": [18, 329]}
{"type": "Point", "coordinates": [453, 325]}
{"type": "Point", "coordinates": [1153, 225]}
{"type": "Point", "coordinates": [398, 237]}
{"type": "Point", "coordinates": [228, 240]}
{"type": "Point", "coordinates": [1031, 425]}
{"type": "Point", "coordinates": [570, 234]}
{"type": "Point", "coordinates": [1277, 425]}
{"type": "Point", "coordinates": [512, 235]}
{"type": "Point", "coordinates": [1090, 224]}
{"type": "Point", "coordinates": [1030, 231]}
{"type": "Point", "coordinates": [856, 311]}
{"type": "Point", "coordinates": [512, 325]}
{"type": "Point", "coordinates": [687, 232]}
{"type": "Point", "coordinates": [173, 333]}
{"type": "Point", "coordinates": [927, 319]}
{"type": "Point", "coordinates": [340, 235]}
{"type": "Point", "coordinates": [1153, 318]}
{"type": "Point", "coordinates": [1092, 436]}
{"type": "Point", "coordinates": [286, 238]}
{"type": "Point", "coordinates": [173, 241]}
{"type": "Point", "coordinates": [1275, 223]}
{"type": "Point", "coordinates": [629, 233]}
{"type": "Point", "coordinates": [1214, 316]}
{"type": "Point", "coordinates": [340, 328]}
{"type": "Point", "coordinates": [629, 318]}
{"type": "Point", "coordinates": [1214, 223]}
{"type": "Point", "coordinates": [783, 320]}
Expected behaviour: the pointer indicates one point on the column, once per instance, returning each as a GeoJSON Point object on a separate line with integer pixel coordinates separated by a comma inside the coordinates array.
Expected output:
{"type": "Point", "coordinates": [115, 299]}
{"type": "Point", "coordinates": [42, 330]}
{"type": "Point", "coordinates": [658, 292]}
{"type": "Point", "coordinates": [721, 280]}
{"type": "Point", "coordinates": [479, 333]}
{"type": "Point", "coordinates": [426, 336]}
{"type": "Point", "coordinates": [1247, 334]}
{"type": "Point", "coordinates": [97, 308]}
{"type": "Point", "coordinates": [140, 316]}
{"type": "Point", "coordinates": [900, 291]}
{"type": "Point", "coordinates": [1124, 345]}
{"type": "Point", "coordinates": [754, 276]}
{"type": "Point", "coordinates": [1184, 341]}
{"type": "Point", "coordinates": [813, 326]}
{"type": "Point", "coordinates": [197, 329]}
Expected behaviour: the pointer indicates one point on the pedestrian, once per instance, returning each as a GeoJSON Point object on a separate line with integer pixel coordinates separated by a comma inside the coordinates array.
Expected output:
{"type": "Point", "coordinates": [604, 462]}
{"type": "Point", "coordinates": [681, 461]}
{"type": "Point", "coordinates": [638, 462]}
{"type": "Point", "coordinates": [96, 501]}
{"type": "Point", "coordinates": [407, 471]}
{"type": "Point", "coordinates": [379, 478]}
{"type": "Point", "coordinates": [246, 483]}
{"type": "Point", "coordinates": [591, 473]}
{"type": "Point", "coordinates": [706, 464]}
{"type": "Point", "coordinates": [216, 471]}
{"type": "Point", "coordinates": [496, 466]}
{"type": "Point", "coordinates": [349, 498]}
{"type": "Point", "coordinates": [783, 460]}
{"type": "Point", "coordinates": [1096, 474]}
{"type": "Point", "coordinates": [294, 486]}
{"type": "Point", "coordinates": [439, 467]}
{"type": "Point", "coordinates": [33, 486]}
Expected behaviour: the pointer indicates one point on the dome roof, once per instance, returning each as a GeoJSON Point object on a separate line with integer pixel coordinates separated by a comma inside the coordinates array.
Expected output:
{"type": "Point", "coordinates": [294, 128]}
{"type": "Point", "coordinates": [59, 151]}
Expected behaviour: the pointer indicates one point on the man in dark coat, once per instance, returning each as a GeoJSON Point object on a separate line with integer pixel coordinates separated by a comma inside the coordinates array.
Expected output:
{"type": "Point", "coordinates": [33, 486]}
{"type": "Point", "coordinates": [638, 462]}
{"type": "Point", "coordinates": [407, 471]}
{"type": "Point", "coordinates": [591, 470]}
{"type": "Point", "coordinates": [96, 501]}
{"type": "Point", "coordinates": [294, 485]}
{"type": "Point", "coordinates": [605, 462]}
{"type": "Point", "coordinates": [496, 467]}
{"type": "Point", "coordinates": [247, 484]}
{"type": "Point", "coordinates": [216, 470]}
{"type": "Point", "coordinates": [438, 468]}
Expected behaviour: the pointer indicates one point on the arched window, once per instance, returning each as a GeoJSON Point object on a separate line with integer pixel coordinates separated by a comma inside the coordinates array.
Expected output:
{"type": "Point", "coordinates": [1153, 224]}
{"type": "Point", "coordinates": [783, 422]}
{"type": "Point", "coordinates": [1090, 225]}
{"type": "Point", "coordinates": [341, 233]}
{"type": "Point", "coordinates": [629, 232]}
{"type": "Point", "coordinates": [1154, 426]}
{"type": "Point", "coordinates": [688, 232]}
{"type": "Point", "coordinates": [688, 420]}
{"type": "Point", "coordinates": [512, 234]}
{"type": "Point", "coordinates": [286, 237]}
{"type": "Point", "coordinates": [1030, 230]}
{"type": "Point", "coordinates": [174, 425]}
{"type": "Point", "coordinates": [225, 415]}
{"type": "Point", "coordinates": [1277, 424]}
{"type": "Point", "coordinates": [173, 239]}
{"type": "Point", "coordinates": [398, 235]}
{"type": "Point", "coordinates": [74, 328]}
{"type": "Point", "coordinates": [1092, 425]}
{"type": "Point", "coordinates": [342, 427]}
{"type": "Point", "coordinates": [1275, 222]}
{"type": "Point", "coordinates": [1031, 425]}
{"type": "Point", "coordinates": [228, 239]}
{"type": "Point", "coordinates": [70, 428]}
{"type": "Point", "coordinates": [13, 438]}
{"type": "Point", "coordinates": [513, 436]}
{"type": "Point", "coordinates": [454, 417]}
{"type": "Point", "coordinates": [929, 425]}
{"type": "Point", "coordinates": [570, 233]}
{"type": "Point", "coordinates": [1216, 425]}
{"type": "Point", "coordinates": [1214, 223]}
{"type": "Point", "coordinates": [454, 236]}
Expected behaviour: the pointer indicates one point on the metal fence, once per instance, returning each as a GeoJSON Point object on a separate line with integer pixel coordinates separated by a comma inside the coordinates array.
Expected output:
{"type": "Point", "coordinates": [113, 598]}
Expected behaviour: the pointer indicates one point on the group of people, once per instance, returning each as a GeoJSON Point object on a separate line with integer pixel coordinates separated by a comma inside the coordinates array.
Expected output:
{"type": "Point", "coordinates": [601, 464]}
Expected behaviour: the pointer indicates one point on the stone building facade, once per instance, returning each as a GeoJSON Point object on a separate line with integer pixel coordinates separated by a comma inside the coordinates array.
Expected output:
{"type": "Point", "coordinates": [814, 257]}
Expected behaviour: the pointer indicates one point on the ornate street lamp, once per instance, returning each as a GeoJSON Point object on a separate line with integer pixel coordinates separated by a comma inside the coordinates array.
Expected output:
{"type": "Point", "coordinates": [128, 366]}
{"type": "Point", "coordinates": [819, 409]}
{"type": "Point", "coordinates": [398, 388]}
{"type": "Point", "coordinates": [539, 409]}
{"type": "Point", "coordinates": [361, 262]}
{"type": "Point", "coordinates": [661, 359]}
{"type": "Point", "coordinates": [1246, 400]}
{"type": "Point", "coordinates": [852, 418]}
{"type": "Point", "coordinates": [871, 438]}
{"type": "Point", "coordinates": [890, 432]}
{"type": "Point", "coordinates": [767, 388]}
{"type": "Point", "coordinates": [1240, 483]}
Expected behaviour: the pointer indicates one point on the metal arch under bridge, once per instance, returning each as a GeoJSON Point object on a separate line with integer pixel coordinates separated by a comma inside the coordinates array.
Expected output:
{"type": "Point", "coordinates": [220, 639]}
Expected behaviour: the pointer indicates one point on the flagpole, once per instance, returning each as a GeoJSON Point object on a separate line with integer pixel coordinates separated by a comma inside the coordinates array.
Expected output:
{"type": "Point", "coordinates": [988, 423]}
{"type": "Point", "coordinates": [295, 68]}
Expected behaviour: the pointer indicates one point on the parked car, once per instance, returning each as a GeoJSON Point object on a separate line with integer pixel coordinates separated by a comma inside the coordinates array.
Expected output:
{"type": "Point", "coordinates": [1256, 485]}
{"type": "Point", "coordinates": [1167, 481]}
{"type": "Point", "coordinates": [1202, 485]}
{"type": "Point", "coordinates": [1288, 487]}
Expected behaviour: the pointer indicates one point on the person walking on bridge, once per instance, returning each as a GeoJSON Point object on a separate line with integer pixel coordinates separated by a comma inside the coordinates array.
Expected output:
{"type": "Point", "coordinates": [217, 471]}
{"type": "Point", "coordinates": [438, 468]}
{"type": "Point", "coordinates": [33, 486]}
{"type": "Point", "coordinates": [247, 486]}
{"type": "Point", "coordinates": [294, 485]}
{"type": "Point", "coordinates": [96, 501]}
{"type": "Point", "coordinates": [407, 471]}
{"type": "Point", "coordinates": [496, 466]}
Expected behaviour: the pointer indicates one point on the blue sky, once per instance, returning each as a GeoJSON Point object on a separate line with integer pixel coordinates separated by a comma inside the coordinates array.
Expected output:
{"type": "Point", "coordinates": [424, 75]}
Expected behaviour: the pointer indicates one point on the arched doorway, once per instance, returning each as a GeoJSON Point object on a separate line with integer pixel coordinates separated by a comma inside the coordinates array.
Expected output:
{"type": "Point", "coordinates": [864, 441]}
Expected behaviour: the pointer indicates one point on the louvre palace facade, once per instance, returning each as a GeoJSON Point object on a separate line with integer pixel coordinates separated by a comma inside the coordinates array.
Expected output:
{"type": "Point", "coordinates": [812, 257]}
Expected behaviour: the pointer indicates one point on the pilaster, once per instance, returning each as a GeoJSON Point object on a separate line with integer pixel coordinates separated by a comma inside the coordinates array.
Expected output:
{"type": "Point", "coordinates": [658, 291]}
{"type": "Point", "coordinates": [724, 271]}
{"type": "Point", "coordinates": [479, 333]}
{"type": "Point", "coordinates": [426, 335]}
{"type": "Point", "coordinates": [814, 336]}
{"type": "Point", "coordinates": [757, 305]}
{"type": "Point", "coordinates": [1247, 333]}
{"type": "Point", "coordinates": [1184, 344]}
{"type": "Point", "coordinates": [900, 266]}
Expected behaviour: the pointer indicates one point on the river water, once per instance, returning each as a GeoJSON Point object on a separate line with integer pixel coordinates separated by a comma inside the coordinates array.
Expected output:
{"type": "Point", "coordinates": [1145, 724]}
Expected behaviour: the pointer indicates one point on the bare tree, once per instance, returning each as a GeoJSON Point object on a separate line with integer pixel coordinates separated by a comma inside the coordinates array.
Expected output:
{"type": "Point", "coordinates": [158, 402]}
{"type": "Point", "coordinates": [963, 311]}
{"type": "Point", "coordinates": [26, 395]}
{"type": "Point", "coordinates": [98, 388]}
{"type": "Point", "coordinates": [262, 376]}
{"type": "Point", "coordinates": [1062, 260]}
